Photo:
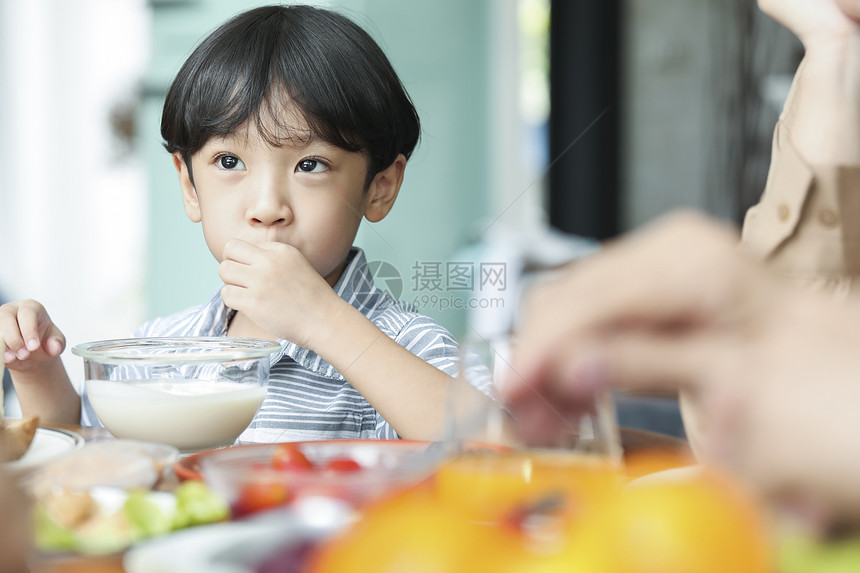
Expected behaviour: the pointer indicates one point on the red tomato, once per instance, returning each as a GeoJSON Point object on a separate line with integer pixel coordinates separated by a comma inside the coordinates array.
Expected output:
{"type": "Point", "coordinates": [342, 465]}
{"type": "Point", "coordinates": [257, 496]}
{"type": "Point", "coordinates": [287, 457]}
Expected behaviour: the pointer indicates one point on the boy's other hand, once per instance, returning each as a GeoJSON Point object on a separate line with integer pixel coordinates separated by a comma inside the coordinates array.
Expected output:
{"type": "Point", "coordinates": [275, 286]}
{"type": "Point", "coordinates": [31, 336]}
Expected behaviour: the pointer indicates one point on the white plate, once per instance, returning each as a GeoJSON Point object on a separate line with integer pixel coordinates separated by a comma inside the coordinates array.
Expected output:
{"type": "Point", "coordinates": [237, 546]}
{"type": "Point", "coordinates": [233, 547]}
{"type": "Point", "coordinates": [47, 444]}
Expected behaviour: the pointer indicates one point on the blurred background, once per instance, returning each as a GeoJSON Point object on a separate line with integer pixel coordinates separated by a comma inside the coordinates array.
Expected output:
{"type": "Point", "coordinates": [548, 126]}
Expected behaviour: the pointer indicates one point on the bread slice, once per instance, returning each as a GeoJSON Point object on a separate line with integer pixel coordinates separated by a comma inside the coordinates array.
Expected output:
{"type": "Point", "coordinates": [15, 437]}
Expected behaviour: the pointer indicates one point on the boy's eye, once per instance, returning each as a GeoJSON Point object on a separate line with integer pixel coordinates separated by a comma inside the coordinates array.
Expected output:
{"type": "Point", "coordinates": [311, 166]}
{"type": "Point", "coordinates": [230, 162]}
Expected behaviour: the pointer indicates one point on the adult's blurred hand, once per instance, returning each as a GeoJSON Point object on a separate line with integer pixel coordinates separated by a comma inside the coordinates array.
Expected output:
{"type": "Point", "coordinates": [773, 371]}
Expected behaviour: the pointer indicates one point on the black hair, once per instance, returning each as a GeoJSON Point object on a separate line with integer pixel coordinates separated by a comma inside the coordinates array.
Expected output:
{"type": "Point", "coordinates": [335, 74]}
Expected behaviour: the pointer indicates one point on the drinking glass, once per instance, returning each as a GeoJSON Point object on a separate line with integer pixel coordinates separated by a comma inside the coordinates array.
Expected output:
{"type": "Point", "coordinates": [491, 471]}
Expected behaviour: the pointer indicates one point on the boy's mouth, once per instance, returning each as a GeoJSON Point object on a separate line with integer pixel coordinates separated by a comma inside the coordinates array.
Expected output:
{"type": "Point", "coordinates": [275, 236]}
{"type": "Point", "coordinates": [268, 236]}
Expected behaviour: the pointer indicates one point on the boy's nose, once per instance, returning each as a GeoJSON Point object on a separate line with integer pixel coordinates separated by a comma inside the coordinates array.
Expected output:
{"type": "Point", "coordinates": [270, 207]}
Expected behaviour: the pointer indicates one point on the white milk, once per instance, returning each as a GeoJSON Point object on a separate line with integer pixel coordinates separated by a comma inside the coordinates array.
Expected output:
{"type": "Point", "coordinates": [190, 415]}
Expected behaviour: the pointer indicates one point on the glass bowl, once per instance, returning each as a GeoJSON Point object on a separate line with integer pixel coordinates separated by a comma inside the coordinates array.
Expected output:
{"type": "Point", "coordinates": [191, 393]}
{"type": "Point", "coordinates": [256, 477]}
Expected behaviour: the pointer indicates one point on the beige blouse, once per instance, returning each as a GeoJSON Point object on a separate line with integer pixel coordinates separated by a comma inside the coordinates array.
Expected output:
{"type": "Point", "coordinates": [806, 225]}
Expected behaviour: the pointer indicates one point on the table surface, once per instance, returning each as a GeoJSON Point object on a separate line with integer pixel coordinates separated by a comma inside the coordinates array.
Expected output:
{"type": "Point", "coordinates": [633, 441]}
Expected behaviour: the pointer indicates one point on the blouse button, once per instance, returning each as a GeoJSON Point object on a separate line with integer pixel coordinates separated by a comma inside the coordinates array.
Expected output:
{"type": "Point", "coordinates": [782, 212]}
{"type": "Point", "coordinates": [828, 218]}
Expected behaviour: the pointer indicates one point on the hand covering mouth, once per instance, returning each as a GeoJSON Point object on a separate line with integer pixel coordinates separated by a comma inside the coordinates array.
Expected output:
{"type": "Point", "coordinates": [270, 236]}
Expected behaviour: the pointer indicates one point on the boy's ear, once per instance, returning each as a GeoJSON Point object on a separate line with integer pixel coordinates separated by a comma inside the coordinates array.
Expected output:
{"type": "Point", "coordinates": [189, 193]}
{"type": "Point", "coordinates": [384, 189]}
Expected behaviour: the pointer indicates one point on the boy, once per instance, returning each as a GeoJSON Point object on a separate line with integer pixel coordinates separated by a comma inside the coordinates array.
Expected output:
{"type": "Point", "coordinates": [287, 126]}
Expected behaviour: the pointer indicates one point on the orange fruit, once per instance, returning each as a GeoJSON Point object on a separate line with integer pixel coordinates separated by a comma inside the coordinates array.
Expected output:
{"type": "Point", "coordinates": [691, 522]}
{"type": "Point", "coordinates": [410, 533]}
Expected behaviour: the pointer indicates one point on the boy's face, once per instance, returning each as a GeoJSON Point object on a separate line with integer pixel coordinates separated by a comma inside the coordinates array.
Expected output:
{"type": "Point", "coordinates": [307, 193]}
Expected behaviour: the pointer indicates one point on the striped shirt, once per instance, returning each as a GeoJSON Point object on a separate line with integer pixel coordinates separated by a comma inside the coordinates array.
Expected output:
{"type": "Point", "coordinates": [307, 399]}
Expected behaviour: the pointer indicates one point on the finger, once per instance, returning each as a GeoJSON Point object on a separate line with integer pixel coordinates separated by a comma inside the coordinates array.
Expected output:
{"type": "Point", "coordinates": [233, 295]}
{"type": "Point", "coordinates": [669, 261]}
{"type": "Point", "coordinates": [561, 371]}
{"type": "Point", "coordinates": [533, 338]}
{"type": "Point", "coordinates": [672, 263]}
{"type": "Point", "coordinates": [539, 424]}
{"type": "Point", "coordinates": [588, 358]}
{"type": "Point", "coordinates": [55, 341]}
{"type": "Point", "coordinates": [546, 404]}
{"type": "Point", "coordinates": [240, 251]}
{"type": "Point", "coordinates": [233, 272]}
{"type": "Point", "coordinates": [644, 360]}
{"type": "Point", "coordinates": [631, 360]}
{"type": "Point", "coordinates": [33, 322]}
{"type": "Point", "coordinates": [544, 407]}
{"type": "Point", "coordinates": [11, 333]}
